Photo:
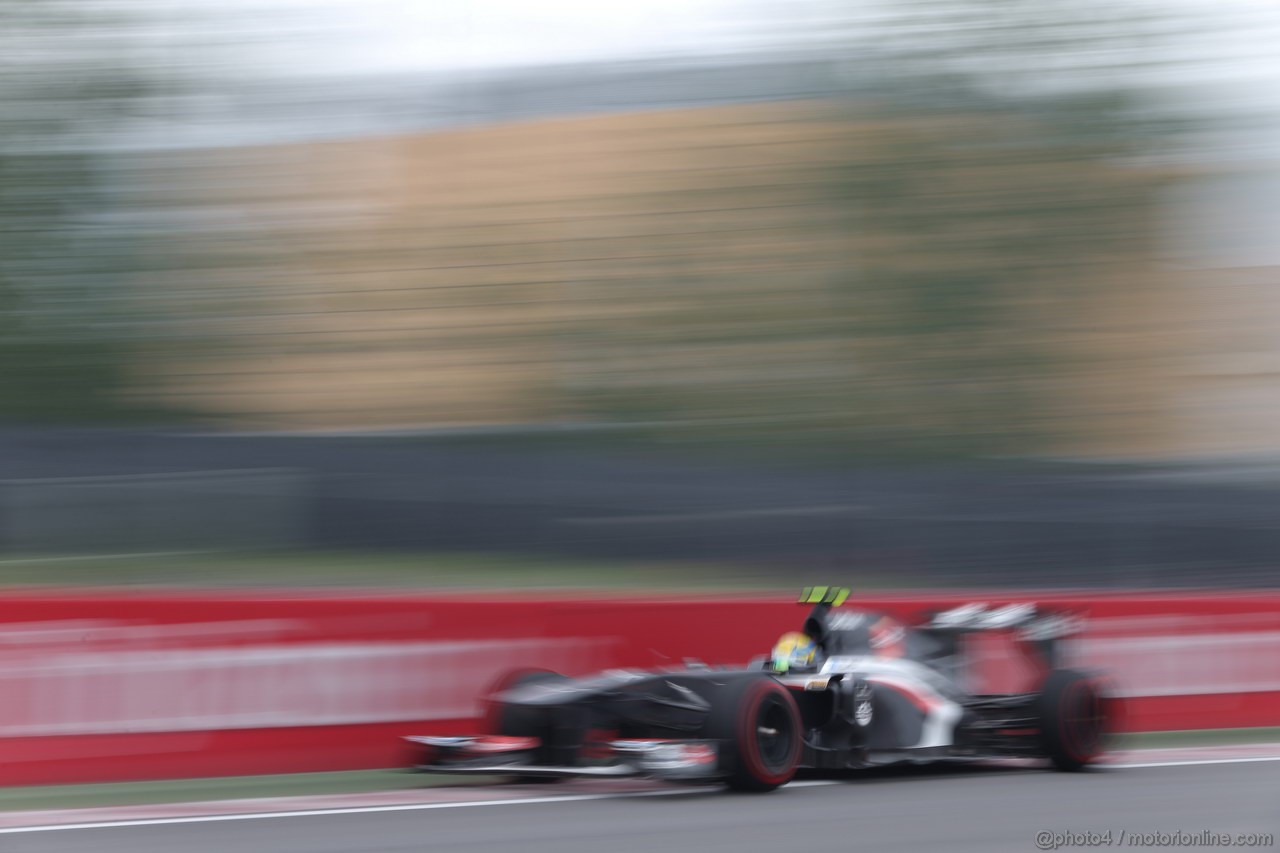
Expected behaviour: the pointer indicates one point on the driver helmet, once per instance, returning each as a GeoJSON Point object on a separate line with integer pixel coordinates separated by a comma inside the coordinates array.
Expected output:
{"type": "Point", "coordinates": [794, 651]}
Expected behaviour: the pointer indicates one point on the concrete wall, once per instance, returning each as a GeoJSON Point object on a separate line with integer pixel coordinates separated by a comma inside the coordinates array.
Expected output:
{"type": "Point", "coordinates": [186, 511]}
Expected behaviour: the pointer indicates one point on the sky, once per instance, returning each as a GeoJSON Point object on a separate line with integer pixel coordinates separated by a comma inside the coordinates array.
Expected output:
{"type": "Point", "coordinates": [1228, 67]}
{"type": "Point", "coordinates": [396, 36]}
{"type": "Point", "coordinates": [1229, 64]}
{"type": "Point", "coordinates": [305, 36]}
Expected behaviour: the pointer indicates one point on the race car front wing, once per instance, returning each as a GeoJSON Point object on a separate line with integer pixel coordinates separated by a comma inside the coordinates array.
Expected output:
{"type": "Point", "coordinates": [672, 760]}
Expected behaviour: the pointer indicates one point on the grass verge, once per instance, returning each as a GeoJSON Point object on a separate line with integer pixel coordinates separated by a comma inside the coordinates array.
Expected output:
{"type": "Point", "coordinates": [425, 570]}
{"type": "Point", "coordinates": [221, 788]}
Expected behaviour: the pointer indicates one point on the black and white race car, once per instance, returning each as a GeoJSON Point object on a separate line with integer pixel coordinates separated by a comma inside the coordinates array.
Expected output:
{"type": "Point", "coordinates": [869, 692]}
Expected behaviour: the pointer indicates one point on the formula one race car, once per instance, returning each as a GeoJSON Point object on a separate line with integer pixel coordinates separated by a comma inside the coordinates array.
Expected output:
{"type": "Point", "coordinates": [852, 690]}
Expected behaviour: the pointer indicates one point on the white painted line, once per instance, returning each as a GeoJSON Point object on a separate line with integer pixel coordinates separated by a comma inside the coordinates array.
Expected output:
{"type": "Point", "coordinates": [1198, 761]}
{"type": "Point", "coordinates": [84, 558]}
{"type": "Point", "coordinates": [566, 798]}
{"type": "Point", "coordinates": [812, 783]}
{"type": "Point", "coordinates": [524, 801]}
{"type": "Point", "coordinates": [722, 515]}
{"type": "Point", "coordinates": [158, 476]}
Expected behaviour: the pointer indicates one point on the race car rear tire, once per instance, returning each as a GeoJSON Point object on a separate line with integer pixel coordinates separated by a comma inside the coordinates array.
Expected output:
{"type": "Point", "coordinates": [520, 721]}
{"type": "Point", "coordinates": [1073, 719]}
{"type": "Point", "coordinates": [758, 725]}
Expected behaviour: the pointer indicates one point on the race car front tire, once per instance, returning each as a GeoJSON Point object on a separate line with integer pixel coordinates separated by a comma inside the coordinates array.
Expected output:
{"type": "Point", "coordinates": [757, 723]}
{"type": "Point", "coordinates": [521, 721]}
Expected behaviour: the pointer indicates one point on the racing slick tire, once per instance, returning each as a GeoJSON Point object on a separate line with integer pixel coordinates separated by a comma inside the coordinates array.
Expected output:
{"type": "Point", "coordinates": [1073, 719]}
{"type": "Point", "coordinates": [758, 725]}
{"type": "Point", "coordinates": [518, 721]}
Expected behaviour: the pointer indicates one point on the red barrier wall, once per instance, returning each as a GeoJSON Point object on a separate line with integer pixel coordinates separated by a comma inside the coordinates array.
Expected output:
{"type": "Point", "coordinates": [105, 686]}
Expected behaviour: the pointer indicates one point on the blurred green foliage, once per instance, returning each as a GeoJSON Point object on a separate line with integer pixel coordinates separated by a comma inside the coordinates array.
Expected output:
{"type": "Point", "coordinates": [996, 186]}
{"type": "Point", "coordinates": [919, 293]}
{"type": "Point", "coordinates": [942, 309]}
{"type": "Point", "coordinates": [982, 232]}
{"type": "Point", "coordinates": [64, 82]}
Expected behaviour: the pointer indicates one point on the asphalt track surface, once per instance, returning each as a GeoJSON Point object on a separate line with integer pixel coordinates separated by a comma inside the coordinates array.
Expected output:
{"type": "Point", "coordinates": [969, 809]}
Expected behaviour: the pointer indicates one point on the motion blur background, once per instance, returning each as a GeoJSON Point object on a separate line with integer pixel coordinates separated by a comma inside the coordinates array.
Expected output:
{"type": "Point", "coordinates": [887, 292]}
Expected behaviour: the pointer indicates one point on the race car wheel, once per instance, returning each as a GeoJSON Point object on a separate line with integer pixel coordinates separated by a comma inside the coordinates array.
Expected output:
{"type": "Point", "coordinates": [1073, 719]}
{"type": "Point", "coordinates": [519, 721]}
{"type": "Point", "coordinates": [758, 725]}
{"type": "Point", "coordinates": [502, 719]}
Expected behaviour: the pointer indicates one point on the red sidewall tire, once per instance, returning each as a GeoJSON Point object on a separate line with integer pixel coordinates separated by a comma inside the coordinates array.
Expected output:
{"type": "Point", "coordinates": [749, 750]}
{"type": "Point", "coordinates": [1074, 719]}
{"type": "Point", "coordinates": [1068, 733]}
{"type": "Point", "coordinates": [739, 707]}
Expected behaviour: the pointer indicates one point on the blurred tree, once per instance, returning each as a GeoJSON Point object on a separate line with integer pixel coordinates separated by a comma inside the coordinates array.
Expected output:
{"type": "Point", "coordinates": [986, 248]}
{"type": "Point", "coordinates": [999, 189]}
{"type": "Point", "coordinates": [1005, 191]}
{"type": "Point", "coordinates": [66, 80]}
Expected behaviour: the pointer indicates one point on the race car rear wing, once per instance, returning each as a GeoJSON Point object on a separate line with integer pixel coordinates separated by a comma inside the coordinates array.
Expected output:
{"type": "Point", "coordinates": [1037, 629]}
{"type": "Point", "coordinates": [1030, 621]}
